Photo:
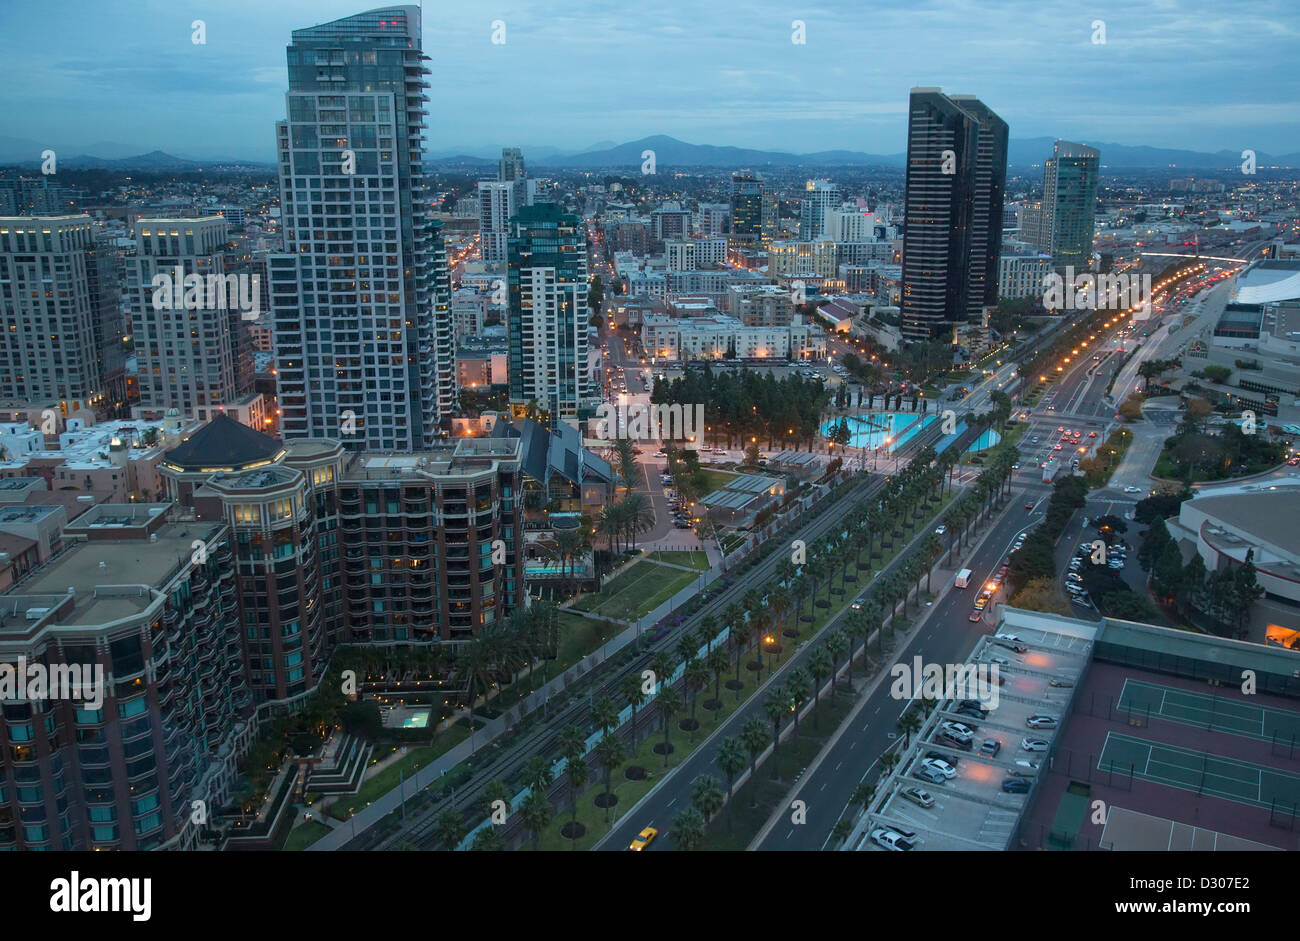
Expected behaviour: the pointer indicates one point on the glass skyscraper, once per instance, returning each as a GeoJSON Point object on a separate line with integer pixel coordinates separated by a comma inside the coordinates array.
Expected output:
{"type": "Point", "coordinates": [956, 178]}
{"type": "Point", "coordinates": [548, 312]}
{"type": "Point", "coordinates": [364, 347]}
{"type": "Point", "coordinates": [1070, 204]}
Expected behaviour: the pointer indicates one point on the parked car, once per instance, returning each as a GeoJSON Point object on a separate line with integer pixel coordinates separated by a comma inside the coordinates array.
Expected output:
{"type": "Point", "coordinates": [1015, 786]}
{"type": "Point", "coordinates": [1062, 682]}
{"type": "Point", "coordinates": [942, 757]}
{"type": "Point", "coordinates": [890, 840]}
{"type": "Point", "coordinates": [953, 741]}
{"type": "Point", "coordinates": [942, 767]}
{"type": "Point", "coordinates": [1034, 744]}
{"type": "Point", "coordinates": [926, 774]}
{"type": "Point", "coordinates": [916, 795]}
{"type": "Point", "coordinates": [1040, 721]}
{"type": "Point", "coordinates": [990, 748]}
{"type": "Point", "coordinates": [959, 729]}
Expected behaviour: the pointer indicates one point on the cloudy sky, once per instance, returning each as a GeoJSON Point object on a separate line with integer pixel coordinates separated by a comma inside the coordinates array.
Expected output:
{"type": "Point", "coordinates": [102, 75]}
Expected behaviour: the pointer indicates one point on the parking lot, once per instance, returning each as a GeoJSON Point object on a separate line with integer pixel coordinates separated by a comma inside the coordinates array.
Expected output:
{"type": "Point", "coordinates": [964, 781]}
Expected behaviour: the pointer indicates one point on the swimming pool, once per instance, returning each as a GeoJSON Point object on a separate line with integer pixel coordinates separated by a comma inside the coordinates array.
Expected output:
{"type": "Point", "coordinates": [871, 430]}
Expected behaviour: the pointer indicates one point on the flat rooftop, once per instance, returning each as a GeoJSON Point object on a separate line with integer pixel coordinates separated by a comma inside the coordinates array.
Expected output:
{"type": "Point", "coordinates": [89, 565]}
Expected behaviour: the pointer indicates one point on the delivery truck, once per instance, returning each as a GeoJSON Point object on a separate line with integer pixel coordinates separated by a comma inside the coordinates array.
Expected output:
{"type": "Point", "coordinates": [963, 578]}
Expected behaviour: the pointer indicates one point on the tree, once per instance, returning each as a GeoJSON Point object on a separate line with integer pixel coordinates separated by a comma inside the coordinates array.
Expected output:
{"type": "Point", "coordinates": [842, 830]}
{"type": "Point", "coordinates": [1041, 594]}
{"type": "Point", "coordinates": [449, 829]}
{"type": "Point", "coordinates": [909, 723]}
{"type": "Point", "coordinates": [537, 813]}
{"type": "Point", "coordinates": [718, 663]}
{"type": "Point", "coordinates": [536, 773]}
{"type": "Point", "coordinates": [488, 839]}
{"type": "Point", "coordinates": [632, 693]}
{"type": "Point", "coordinates": [753, 734]}
{"type": "Point", "coordinates": [688, 830]}
{"type": "Point", "coordinates": [575, 770]}
{"type": "Point", "coordinates": [604, 714]}
{"type": "Point", "coordinates": [1247, 591]}
{"type": "Point", "coordinates": [775, 707]}
{"type": "Point", "coordinates": [610, 754]}
{"type": "Point", "coordinates": [707, 796]}
{"type": "Point", "coordinates": [667, 704]}
{"type": "Point", "coordinates": [819, 665]}
{"type": "Point", "coordinates": [731, 759]}
{"type": "Point", "coordinates": [493, 792]}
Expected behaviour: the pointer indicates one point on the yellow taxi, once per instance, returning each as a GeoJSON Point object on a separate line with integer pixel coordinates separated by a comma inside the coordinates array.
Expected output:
{"type": "Point", "coordinates": [643, 839]}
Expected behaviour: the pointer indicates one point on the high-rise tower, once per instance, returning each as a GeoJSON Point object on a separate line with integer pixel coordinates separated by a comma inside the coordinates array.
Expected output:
{"type": "Point", "coordinates": [364, 352]}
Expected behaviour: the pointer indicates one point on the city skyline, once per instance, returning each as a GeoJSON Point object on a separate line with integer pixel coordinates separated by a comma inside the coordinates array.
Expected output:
{"type": "Point", "coordinates": [748, 88]}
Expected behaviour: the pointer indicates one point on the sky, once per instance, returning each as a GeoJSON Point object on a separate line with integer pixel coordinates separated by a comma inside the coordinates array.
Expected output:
{"type": "Point", "coordinates": [120, 77]}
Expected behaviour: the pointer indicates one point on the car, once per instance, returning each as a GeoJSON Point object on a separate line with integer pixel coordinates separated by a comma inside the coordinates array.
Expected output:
{"type": "Point", "coordinates": [643, 839]}
{"type": "Point", "coordinates": [980, 603]}
{"type": "Point", "coordinates": [1061, 682]}
{"type": "Point", "coordinates": [1092, 434]}
{"type": "Point", "coordinates": [1034, 744]}
{"type": "Point", "coordinates": [1029, 506]}
{"type": "Point", "coordinates": [918, 796]}
{"type": "Point", "coordinates": [890, 840]}
{"type": "Point", "coordinates": [959, 729]}
{"type": "Point", "coordinates": [1017, 648]}
{"type": "Point", "coordinates": [950, 740]}
{"type": "Point", "coordinates": [1015, 786]}
{"type": "Point", "coordinates": [941, 530]}
{"type": "Point", "coordinates": [1003, 635]}
{"type": "Point", "coordinates": [1056, 447]}
{"type": "Point", "coordinates": [974, 711]}
{"type": "Point", "coordinates": [990, 748]}
{"type": "Point", "coordinates": [1040, 721]}
{"type": "Point", "coordinates": [940, 756]}
{"type": "Point", "coordinates": [1074, 578]}
{"type": "Point", "coordinates": [1076, 564]}
{"type": "Point", "coordinates": [1132, 489]}
{"type": "Point", "coordinates": [857, 604]}
{"type": "Point", "coordinates": [1000, 661]}
{"type": "Point", "coordinates": [941, 767]}
{"type": "Point", "coordinates": [975, 615]}
{"type": "Point", "coordinates": [1027, 764]}
{"type": "Point", "coordinates": [1035, 441]}
{"type": "Point", "coordinates": [1060, 428]}
{"type": "Point", "coordinates": [926, 774]}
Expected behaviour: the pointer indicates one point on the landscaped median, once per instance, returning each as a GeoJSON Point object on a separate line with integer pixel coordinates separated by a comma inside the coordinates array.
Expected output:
{"type": "Point", "coordinates": [647, 765]}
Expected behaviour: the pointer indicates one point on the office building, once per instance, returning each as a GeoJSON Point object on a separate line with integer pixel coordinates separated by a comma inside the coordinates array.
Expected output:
{"type": "Point", "coordinates": [363, 349]}
{"type": "Point", "coordinates": [1070, 204]}
{"type": "Point", "coordinates": [754, 218]}
{"type": "Point", "coordinates": [1023, 275]}
{"type": "Point", "coordinates": [547, 281]}
{"type": "Point", "coordinates": [510, 169]}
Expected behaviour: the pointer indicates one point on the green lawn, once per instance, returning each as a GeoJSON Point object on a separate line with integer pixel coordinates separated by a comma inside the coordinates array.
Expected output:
{"type": "Point", "coordinates": [715, 479]}
{"type": "Point", "coordinates": [304, 836]}
{"type": "Point", "coordinates": [695, 560]}
{"type": "Point", "coordinates": [636, 591]}
{"type": "Point", "coordinates": [383, 782]}
{"type": "Point", "coordinates": [579, 636]}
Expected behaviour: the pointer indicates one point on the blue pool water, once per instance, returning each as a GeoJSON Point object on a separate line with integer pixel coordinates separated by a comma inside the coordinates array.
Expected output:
{"type": "Point", "coordinates": [985, 441]}
{"type": "Point", "coordinates": [871, 430]}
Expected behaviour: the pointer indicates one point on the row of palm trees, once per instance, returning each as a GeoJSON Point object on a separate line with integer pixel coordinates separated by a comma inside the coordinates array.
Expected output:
{"type": "Point", "coordinates": [870, 529]}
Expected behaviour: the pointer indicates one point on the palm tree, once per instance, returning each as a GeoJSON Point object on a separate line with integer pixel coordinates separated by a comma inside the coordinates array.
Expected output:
{"type": "Point", "coordinates": [488, 839]}
{"type": "Point", "coordinates": [819, 664]}
{"type": "Point", "coordinates": [909, 723]}
{"type": "Point", "coordinates": [536, 773]}
{"type": "Point", "coordinates": [706, 796]}
{"type": "Point", "coordinates": [775, 706]}
{"type": "Point", "coordinates": [843, 829]}
{"type": "Point", "coordinates": [695, 678]}
{"type": "Point", "coordinates": [635, 696]}
{"type": "Point", "coordinates": [933, 548]}
{"type": "Point", "coordinates": [753, 734]}
{"type": "Point", "coordinates": [662, 665]}
{"type": "Point", "coordinates": [604, 714]}
{"type": "Point", "coordinates": [836, 643]}
{"type": "Point", "coordinates": [536, 812]}
{"type": "Point", "coordinates": [449, 829]}
{"type": "Point", "coordinates": [863, 795]}
{"type": "Point", "coordinates": [797, 685]}
{"type": "Point", "coordinates": [688, 830]}
{"type": "Point", "coordinates": [610, 754]}
{"type": "Point", "coordinates": [718, 663]}
{"type": "Point", "coordinates": [709, 630]}
{"type": "Point", "coordinates": [667, 703]}
{"type": "Point", "coordinates": [575, 769]}
{"type": "Point", "coordinates": [731, 758]}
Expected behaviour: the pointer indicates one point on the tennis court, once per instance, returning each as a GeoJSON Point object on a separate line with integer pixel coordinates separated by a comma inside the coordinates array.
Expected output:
{"type": "Point", "coordinates": [1216, 713]}
{"type": "Point", "coordinates": [1131, 831]}
{"type": "Point", "coordinates": [1239, 781]}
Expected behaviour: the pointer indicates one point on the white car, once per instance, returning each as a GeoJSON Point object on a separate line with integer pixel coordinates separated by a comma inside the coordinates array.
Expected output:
{"type": "Point", "coordinates": [890, 840]}
{"type": "Point", "coordinates": [958, 729]}
{"type": "Point", "coordinates": [1034, 744]}
{"type": "Point", "coordinates": [940, 767]}
{"type": "Point", "coordinates": [1041, 722]}
{"type": "Point", "coordinates": [1015, 639]}
{"type": "Point", "coordinates": [1132, 489]}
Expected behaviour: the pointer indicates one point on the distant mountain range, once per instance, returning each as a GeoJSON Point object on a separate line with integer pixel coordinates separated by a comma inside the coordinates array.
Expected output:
{"type": "Point", "coordinates": [1023, 153]}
